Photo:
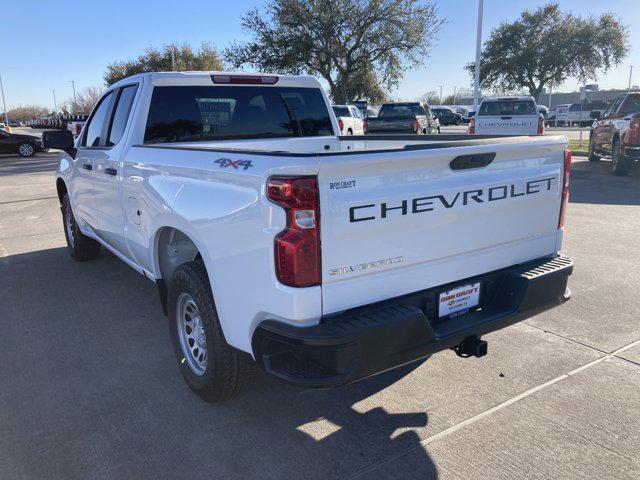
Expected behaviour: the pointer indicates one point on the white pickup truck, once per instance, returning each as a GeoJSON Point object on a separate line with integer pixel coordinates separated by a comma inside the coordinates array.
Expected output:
{"type": "Point", "coordinates": [507, 116]}
{"type": "Point", "coordinates": [322, 259]}
{"type": "Point", "coordinates": [350, 120]}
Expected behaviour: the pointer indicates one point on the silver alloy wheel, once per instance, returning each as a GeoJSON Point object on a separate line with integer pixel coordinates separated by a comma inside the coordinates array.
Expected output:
{"type": "Point", "coordinates": [191, 335]}
{"type": "Point", "coordinates": [68, 219]}
{"type": "Point", "coordinates": [26, 150]}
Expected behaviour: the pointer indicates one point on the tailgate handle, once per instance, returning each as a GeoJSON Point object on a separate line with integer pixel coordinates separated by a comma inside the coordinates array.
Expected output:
{"type": "Point", "coordinates": [476, 160]}
{"type": "Point", "coordinates": [505, 118]}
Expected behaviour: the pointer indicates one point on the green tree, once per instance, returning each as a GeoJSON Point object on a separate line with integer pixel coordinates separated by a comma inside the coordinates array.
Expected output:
{"type": "Point", "coordinates": [547, 46]}
{"type": "Point", "coordinates": [360, 47]}
{"type": "Point", "coordinates": [159, 60]}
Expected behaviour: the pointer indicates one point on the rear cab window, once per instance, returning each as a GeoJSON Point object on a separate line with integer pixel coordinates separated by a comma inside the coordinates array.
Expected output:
{"type": "Point", "coordinates": [507, 107]}
{"type": "Point", "coordinates": [401, 110]}
{"type": "Point", "coordinates": [341, 111]}
{"type": "Point", "coordinates": [631, 104]}
{"type": "Point", "coordinates": [204, 113]}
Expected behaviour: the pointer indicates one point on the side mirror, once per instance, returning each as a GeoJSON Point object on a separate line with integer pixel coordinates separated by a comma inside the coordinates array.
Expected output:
{"type": "Point", "coordinates": [60, 140]}
{"type": "Point", "coordinates": [595, 114]}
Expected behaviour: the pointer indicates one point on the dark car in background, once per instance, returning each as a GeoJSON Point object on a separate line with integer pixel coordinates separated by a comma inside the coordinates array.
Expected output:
{"type": "Point", "coordinates": [447, 116]}
{"type": "Point", "coordinates": [404, 117]}
{"type": "Point", "coordinates": [23, 145]}
{"type": "Point", "coordinates": [616, 133]}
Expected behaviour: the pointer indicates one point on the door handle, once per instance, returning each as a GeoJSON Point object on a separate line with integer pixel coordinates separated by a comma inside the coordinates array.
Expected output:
{"type": "Point", "coordinates": [87, 166]}
{"type": "Point", "coordinates": [110, 171]}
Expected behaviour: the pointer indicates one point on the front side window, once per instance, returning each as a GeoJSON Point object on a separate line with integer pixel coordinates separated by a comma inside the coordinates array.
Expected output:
{"type": "Point", "coordinates": [507, 107]}
{"type": "Point", "coordinates": [613, 108]}
{"type": "Point", "coordinates": [92, 137]}
{"type": "Point", "coordinates": [201, 113]}
{"type": "Point", "coordinates": [121, 114]}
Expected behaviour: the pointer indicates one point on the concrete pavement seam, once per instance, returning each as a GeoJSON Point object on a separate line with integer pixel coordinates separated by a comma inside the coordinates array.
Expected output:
{"type": "Point", "coordinates": [491, 410]}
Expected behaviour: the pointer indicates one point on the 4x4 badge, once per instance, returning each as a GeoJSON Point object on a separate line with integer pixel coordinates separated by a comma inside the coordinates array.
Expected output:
{"type": "Point", "coordinates": [227, 162]}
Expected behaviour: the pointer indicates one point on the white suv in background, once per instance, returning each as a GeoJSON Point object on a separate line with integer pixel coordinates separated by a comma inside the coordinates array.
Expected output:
{"type": "Point", "coordinates": [350, 120]}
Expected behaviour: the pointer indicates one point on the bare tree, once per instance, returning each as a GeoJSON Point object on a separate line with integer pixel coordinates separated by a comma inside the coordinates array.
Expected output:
{"type": "Point", "coordinates": [84, 101]}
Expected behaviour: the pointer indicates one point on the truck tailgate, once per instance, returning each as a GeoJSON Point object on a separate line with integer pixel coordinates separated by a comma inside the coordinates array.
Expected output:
{"type": "Point", "coordinates": [507, 125]}
{"type": "Point", "coordinates": [401, 221]}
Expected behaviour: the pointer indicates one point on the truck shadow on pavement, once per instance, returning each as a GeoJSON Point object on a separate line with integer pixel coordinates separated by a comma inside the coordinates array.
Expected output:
{"type": "Point", "coordinates": [41, 162]}
{"type": "Point", "coordinates": [89, 387]}
{"type": "Point", "coordinates": [593, 182]}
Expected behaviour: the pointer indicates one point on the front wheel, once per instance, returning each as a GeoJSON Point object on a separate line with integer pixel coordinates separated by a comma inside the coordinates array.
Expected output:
{"type": "Point", "coordinates": [26, 150]}
{"type": "Point", "coordinates": [212, 369]}
{"type": "Point", "coordinates": [591, 153]}
{"type": "Point", "coordinates": [457, 122]}
{"type": "Point", "coordinates": [81, 248]}
{"type": "Point", "coordinates": [621, 165]}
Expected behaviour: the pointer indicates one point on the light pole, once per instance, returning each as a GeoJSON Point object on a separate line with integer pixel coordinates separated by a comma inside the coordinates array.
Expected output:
{"type": "Point", "coordinates": [4, 105]}
{"type": "Point", "coordinates": [440, 94]}
{"type": "Point", "coordinates": [476, 80]}
{"type": "Point", "coordinates": [454, 94]}
{"type": "Point", "coordinates": [73, 85]}
{"type": "Point", "coordinates": [55, 104]}
{"type": "Point", "coordinates": [630, 72]}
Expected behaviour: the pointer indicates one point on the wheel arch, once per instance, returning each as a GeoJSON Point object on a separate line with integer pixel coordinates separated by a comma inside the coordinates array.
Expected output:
{"type": "Point", "coordinates": [61, 188]}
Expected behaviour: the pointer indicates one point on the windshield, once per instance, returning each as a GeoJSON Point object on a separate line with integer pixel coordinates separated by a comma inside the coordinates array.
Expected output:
{"type": "Point", "coordinates": [401, 110]}
{"type": "Point", "coordinates": [507, 107]}
{"type": "Point", "coordinates": [201, 113]}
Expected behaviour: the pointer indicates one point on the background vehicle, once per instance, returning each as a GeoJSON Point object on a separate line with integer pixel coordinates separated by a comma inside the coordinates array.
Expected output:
{"type": "Point", "coordinates": [324, 258]}
{"type": "Point", "coordinates": [507, 116]}
{"type": "Point", "coordinates": [404, 117]}
{"type": "Point", "coordinates": [463, 111]}
{"type": "Point", "coordinates": [580, 113]}
{"type": "Point", "coordinates": [75, 126]}
{"type": "Point", "coordinates": [350, 121]}
{"type": "Point", "coordinates": [446, 116]}
{"type": "Point", "coordinates": [544, 111]}
{"type": "Point", "coordinates": [24, 145]}
{"type": "Point", "coordinates": [616, 133]}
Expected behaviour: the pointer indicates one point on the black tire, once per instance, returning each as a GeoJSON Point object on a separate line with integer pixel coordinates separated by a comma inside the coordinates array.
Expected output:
{"type": "Point", "coordinates": [621, 165]}
{"type": "Point", "coordinates": [457, 122]}
{"type": "Point", "coordinates": [81, 248]}
{"type": "Point", "coordinates": [228, 371]}
{"type": "Point", "coordinates": [592, 156]}
{"type": "Point", "coordinates": [26, 149]}
{"type": "Point", "coordinates": [349, 132]}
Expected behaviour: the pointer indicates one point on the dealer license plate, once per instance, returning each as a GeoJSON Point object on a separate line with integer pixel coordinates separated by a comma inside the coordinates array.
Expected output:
{"type": "Point", "coordinates": [459, 300]}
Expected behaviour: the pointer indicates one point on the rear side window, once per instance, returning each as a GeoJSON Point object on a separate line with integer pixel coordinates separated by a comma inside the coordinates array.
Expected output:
{"type": "Point", "coordinates": [121, 114]}
{"type": "Point", "coordinates": [92, 137]}
{"type": "Point", "coordinates": [508, 107]}
{"type": "Point", "coordinates": [401, 110]}
{"type": "Point", "coordinates": [200, 113]}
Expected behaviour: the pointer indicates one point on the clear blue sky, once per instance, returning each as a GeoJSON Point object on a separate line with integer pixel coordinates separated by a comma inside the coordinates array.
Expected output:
{"type": "Point", "coordinates": [49, 42]}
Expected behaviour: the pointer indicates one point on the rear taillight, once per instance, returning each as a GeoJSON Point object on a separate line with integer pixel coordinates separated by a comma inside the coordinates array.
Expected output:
{"type": "Point", "coordinates": [565, 188]}
{"type": "Point", "coordinates": [472, 126]}
{"type": "Point", "coordinates": [364, 126]}
{"type": "Point", "coordinates": [634, 129]}
{"type": "Point", "coordinates": [297, 247]}
{"type": "Point", "coordinates": [416, 125]}
{"type": "Point", "coordinates": [340, 125]}
{"type": "Point", "coordinates": [78, 128]}
{"type": "Point", "coordinates": [540, 124]}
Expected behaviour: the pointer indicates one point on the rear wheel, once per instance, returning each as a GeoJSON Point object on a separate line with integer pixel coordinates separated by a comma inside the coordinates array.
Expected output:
{"type": "Point", "coordinates": [621, 166]}
{"type": "Point", "coordinates": [212, 369]}
{"type": "Point", "coordinates": [26, 150]}
{"type": "Point", "coordinates": [457, 122]}
{"type": "Point", "coordinates": [81, 247]}
{"type": "Point", "coordinates": [592, 156]}
{"type": "Point", "coordinates": [349, 132]}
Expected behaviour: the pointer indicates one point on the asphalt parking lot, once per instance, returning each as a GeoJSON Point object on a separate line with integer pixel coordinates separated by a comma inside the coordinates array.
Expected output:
{"type": "Point", "coordinates": [89, 387]}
